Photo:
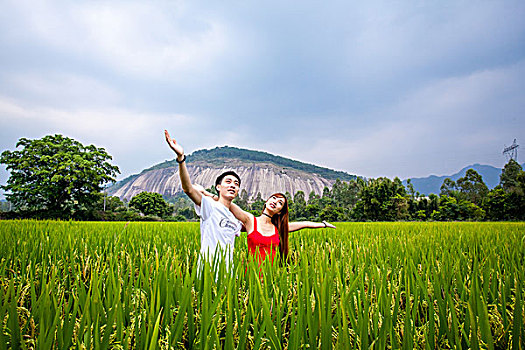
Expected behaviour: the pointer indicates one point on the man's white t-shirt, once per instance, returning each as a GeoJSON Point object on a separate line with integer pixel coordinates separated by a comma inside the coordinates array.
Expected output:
{"type": "Point", "coordinates": [219, 227]}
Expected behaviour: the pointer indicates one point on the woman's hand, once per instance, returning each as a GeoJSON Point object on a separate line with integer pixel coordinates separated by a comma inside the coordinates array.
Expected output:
{"type": "Point", "coordinates": [174, 145]}
{"type": "Point", "coordinates": [203, 191]}
{"type": "Point", "coordinates": [327, 224]}
{"type": "Point", "coordinates": [199, 188]}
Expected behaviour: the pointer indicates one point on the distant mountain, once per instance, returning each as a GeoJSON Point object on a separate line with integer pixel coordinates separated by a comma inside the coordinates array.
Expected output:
{"type": "Point", "coordinates": [260, 172]}
{"type": "Point", "coordinates": [432, 184]}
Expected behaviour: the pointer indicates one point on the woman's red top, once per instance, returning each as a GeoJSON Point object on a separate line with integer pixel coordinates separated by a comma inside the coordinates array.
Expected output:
{"type": "Point", "coordinates": [265, 244]}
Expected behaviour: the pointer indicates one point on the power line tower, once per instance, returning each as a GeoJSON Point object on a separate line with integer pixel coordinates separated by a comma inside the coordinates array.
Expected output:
{"type": "Point", "coordinates": [511, 152]}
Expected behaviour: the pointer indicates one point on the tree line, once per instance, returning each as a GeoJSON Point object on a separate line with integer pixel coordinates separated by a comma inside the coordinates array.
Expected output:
{"type": "Point", "coordinates": [383, 199]}
{"type": "Point", "coordinates": [57, 177]}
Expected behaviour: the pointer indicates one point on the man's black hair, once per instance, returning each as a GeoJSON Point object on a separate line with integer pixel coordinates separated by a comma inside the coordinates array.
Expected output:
{"type": "Point", "coordinates": [223, 175]}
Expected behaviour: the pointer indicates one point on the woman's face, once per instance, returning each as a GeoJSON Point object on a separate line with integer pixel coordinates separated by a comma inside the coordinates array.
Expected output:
{"type": "Point", "coordinates": [275, 204]}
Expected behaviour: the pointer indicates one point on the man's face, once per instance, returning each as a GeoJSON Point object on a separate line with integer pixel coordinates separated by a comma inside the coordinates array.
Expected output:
{"type": "Point", "coordinates": [229, 187]}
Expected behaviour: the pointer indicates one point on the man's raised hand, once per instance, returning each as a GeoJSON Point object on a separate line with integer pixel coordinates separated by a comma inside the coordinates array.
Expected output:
{"type": "Point", "coordinates": [174, 145]}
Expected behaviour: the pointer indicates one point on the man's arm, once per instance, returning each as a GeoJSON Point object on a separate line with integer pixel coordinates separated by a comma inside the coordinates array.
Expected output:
{"type": "Point", "coordinates": [299, 225]}
{"type": "Point", "coordinates": [185, 181]}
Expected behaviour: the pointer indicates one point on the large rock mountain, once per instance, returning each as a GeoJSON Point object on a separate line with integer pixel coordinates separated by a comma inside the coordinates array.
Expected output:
{"type": "Point", "coordinates": [260, 172]}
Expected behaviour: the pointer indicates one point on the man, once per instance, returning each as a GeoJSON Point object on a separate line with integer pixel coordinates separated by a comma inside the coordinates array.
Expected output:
{"type": "Point", "coordinates": [218, 225]}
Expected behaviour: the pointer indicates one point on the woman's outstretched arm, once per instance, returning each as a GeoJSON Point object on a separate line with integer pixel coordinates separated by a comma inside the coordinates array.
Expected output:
{"type": "Point", "coordinates": [299, 225]}
{"type": "Point", "coordinates": [241, 215]}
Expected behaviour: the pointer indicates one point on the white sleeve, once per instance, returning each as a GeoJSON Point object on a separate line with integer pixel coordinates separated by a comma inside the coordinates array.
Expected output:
{"type": "Point", "coordinates": [205, 208]}
{"type": "Point", "coordinates": [239, 226]}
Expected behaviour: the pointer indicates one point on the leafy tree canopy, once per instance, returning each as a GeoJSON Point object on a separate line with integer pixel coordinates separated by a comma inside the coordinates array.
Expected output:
{"type": "Point", "coordinates": [509, 178]}
{"type": "Point", "coordinates": [381, 199]}
{"type": "Point", "coordinates": [151, 204]}
{"type": "Point", "coordinates": [472, 187]}
{"type": "Point", "coordinates": [448, 188]}
{"type": "Point", "coordinates": [56, 175]}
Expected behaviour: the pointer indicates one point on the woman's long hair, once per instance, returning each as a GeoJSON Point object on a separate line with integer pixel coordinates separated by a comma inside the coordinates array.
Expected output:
{"type": "Point", "coordinates": [280, 220]}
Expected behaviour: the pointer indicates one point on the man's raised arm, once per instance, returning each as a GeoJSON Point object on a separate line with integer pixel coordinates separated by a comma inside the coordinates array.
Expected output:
{"type": "Point", "coordinates": [185, 181]}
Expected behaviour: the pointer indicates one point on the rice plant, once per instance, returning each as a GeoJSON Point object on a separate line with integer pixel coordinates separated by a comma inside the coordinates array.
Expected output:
{"type": "Point", "coordinates": [364, 285]}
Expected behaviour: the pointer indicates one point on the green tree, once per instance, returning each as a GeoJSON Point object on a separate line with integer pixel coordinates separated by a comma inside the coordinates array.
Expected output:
{"type": "Point", "coordinates": [56, 175]}
{"type": "Point", "coordinates": [336, 191]}
{"type": "Point", "coordinates": [351, 192]}
{"type": "Point", "coordinates": [242, 200]}
{"type": "Point", "coordinates": [421, 215]}
{"type": "Point", "coordinates": [299, 205]}
{"type": "Point", "coordinates": [345, 194]}
{"type": "Point", "coordinates": [399, 207]}
{"type": "Point", "coordinates": [331, 213]}
{"type": "Point", "coordinates": [424, 207]}
{"type": "Point", "coordinates": [507, 200]}
{"type": "Point", "coordinates": [188, 213]}
{"type": "Point", "coordinates": [382, 199]}
{"type": "Point", "coordinates": [495, 204]}
{"type": "Point", "coordinates": [291, 206]}
{"type": "Point", "coordinates": [258, 204]}
{"type": "Point", "coordinates": [509, 178]}
{"type": "Point", "coordinates": [448, 188]}
{"type": "Point", "coordinates": [313, 211]}
{"type": "Point", "coordinates": [521, 183]}
{"type": "Point", "coordinates": [113, 203]}
{"type": "Point", "coordinates": [472, 188]}
{"type": "Point", "coordinates": [470, 211]}
{"type": "Point", "coordinates": [515, 206]}
{"type": "Point", "coordinates": [314, 198]}
{"type": "Point", "coordinates": [410, 189]}
{"type": "Point", "coordinates": [149, 203]}
{"type": "Point", "coordinates": [183, 208]}
{"type": "Point", "coordinates": [448, 209]}
{"type": "Point", "coordinates": [314, 206]}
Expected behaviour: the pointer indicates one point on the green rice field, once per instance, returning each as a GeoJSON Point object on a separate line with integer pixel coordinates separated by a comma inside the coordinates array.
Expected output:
{"type": "Point", "coordinates": [91, 285]}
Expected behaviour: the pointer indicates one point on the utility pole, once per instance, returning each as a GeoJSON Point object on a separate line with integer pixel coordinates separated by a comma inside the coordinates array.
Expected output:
{"type": "Point", "coordinates": [511, 152]}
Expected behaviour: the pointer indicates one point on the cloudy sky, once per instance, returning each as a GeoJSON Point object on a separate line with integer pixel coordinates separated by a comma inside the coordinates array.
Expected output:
{"type": "Point", "coordinates": [374, 88]}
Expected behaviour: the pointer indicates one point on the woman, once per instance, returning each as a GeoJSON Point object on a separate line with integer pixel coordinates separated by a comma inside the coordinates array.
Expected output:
{"type": "Point", "coordinates": [269, 231]}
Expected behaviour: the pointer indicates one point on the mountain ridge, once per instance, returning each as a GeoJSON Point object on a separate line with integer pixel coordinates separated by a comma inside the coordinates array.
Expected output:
{"type": "Point", "coordinates": [228, 153]}
{"type": "Point", "coordinates": [432, 183]}
{"type": "Point", "coordinates": [261, 172]}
